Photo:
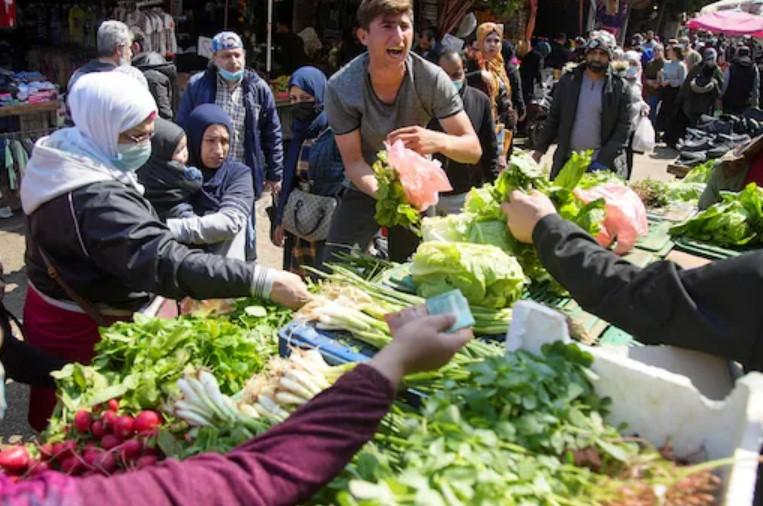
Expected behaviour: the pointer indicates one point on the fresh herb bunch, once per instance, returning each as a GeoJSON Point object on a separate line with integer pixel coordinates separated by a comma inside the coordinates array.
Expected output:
{"type": "Point", "coordinates": [392, 207]}
{"type": "Point", "coordinates": [520, 429]}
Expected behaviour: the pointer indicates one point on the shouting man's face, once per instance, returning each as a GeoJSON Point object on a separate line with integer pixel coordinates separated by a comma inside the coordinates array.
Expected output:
{"type": "Point", "coordinates": [388, 39]}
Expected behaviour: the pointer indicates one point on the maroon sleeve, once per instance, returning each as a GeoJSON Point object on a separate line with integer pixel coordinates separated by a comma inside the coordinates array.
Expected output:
{"type": "Point", "coordinates": [285, 465]}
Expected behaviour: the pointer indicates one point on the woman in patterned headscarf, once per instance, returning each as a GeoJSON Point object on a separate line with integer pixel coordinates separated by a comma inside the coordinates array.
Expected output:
{"type": "Point", "coordinates": [490, 61]}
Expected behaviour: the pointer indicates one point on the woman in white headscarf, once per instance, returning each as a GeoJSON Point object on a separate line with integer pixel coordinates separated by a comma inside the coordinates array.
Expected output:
{"type": "Point", "coordinates": [95, 247]}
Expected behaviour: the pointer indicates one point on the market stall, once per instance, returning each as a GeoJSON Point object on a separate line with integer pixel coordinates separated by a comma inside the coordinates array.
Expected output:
{"type": "Point", "coordinates": [531, 425]}
{"type": "Point", "coordinates": [732, 23]}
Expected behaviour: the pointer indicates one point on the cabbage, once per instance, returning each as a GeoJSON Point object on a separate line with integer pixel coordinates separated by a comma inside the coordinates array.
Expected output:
{"type": "Point", "coordinates": [485, 274]}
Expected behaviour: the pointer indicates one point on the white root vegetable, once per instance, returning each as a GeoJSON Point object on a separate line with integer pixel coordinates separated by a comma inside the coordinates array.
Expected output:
{"type": "Point", "coordinates": [312, 383]}
{"type": "Point", "coordinates": [295, 388]}
{"type": "Point", "coordinates": [193, 418]}
{"type": "Point", "coordinates": [287, 398]}
{"type": "Point", "coordinates": [214, 394]}
{"type": "Point", "coordinates": [249, 410]}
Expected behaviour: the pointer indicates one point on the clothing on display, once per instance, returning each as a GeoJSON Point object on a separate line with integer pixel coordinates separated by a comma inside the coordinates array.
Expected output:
{"type": "Point", "coordinates": [156, 26]}
{"type": "Point", "coordinates": [25, 88]}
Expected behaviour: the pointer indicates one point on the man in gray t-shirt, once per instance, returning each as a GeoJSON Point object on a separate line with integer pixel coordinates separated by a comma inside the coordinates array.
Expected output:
{"type": "Point", "coordinates": [388, 94]}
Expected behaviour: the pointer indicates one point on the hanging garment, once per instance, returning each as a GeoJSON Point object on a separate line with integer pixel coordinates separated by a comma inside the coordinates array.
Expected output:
{"type": "Point", "coordinates": [7, 13]}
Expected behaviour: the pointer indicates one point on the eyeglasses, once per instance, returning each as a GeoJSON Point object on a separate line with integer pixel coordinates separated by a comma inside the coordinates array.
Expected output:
{"type": "Point", "coordinates": [140, 139]}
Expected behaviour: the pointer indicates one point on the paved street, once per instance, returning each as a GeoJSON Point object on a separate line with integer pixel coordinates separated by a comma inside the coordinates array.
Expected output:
{"type": "Point", "coordinates": [12, 256]}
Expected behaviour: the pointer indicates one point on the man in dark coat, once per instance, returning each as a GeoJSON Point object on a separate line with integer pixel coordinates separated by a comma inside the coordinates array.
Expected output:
{"type": "Point", "coordinates": [590, 111]}
{"type": "Point", "coordinates": [161, 75]}
{"type": "Point", "coordinates": [742, 83]}
{"type": "Point", "coordinates": [463, 177]}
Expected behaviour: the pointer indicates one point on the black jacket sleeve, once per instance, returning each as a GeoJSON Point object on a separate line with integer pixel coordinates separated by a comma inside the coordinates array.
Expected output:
{"type": "Point", "coordinates": [491, 155]}
{"type": "Point", "coordinates": [714, 309]}
{"type": "Point", "coordinates": [124, 238]}
{"type": "Point", "coordinates": [550, 129]}
{"type": "Point", "coordinates": [28, 365]}
{"type": "Point", "coordinates": [516, 89]}
{"type": "Point", "coordinates": [619, 138]}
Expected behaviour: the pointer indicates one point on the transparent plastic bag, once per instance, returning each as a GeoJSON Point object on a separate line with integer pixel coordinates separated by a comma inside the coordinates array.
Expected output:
{"type": "Point", "coordinates": [643, 138]}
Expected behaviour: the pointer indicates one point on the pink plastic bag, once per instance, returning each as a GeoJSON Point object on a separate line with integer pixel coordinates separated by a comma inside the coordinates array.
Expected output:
{"type": "Point", "coordinates": [422, 179]}
{"type": "Point", "coordinates": [625, 218]}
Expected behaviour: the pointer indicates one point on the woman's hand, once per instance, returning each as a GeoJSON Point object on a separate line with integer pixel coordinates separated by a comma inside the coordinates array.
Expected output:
{"type": "Point", "coordinates": [289, 290]}
{"type": "Point", "coordinates": [278, 236]}
{"type": "Point", "coordinates": [420, 343]}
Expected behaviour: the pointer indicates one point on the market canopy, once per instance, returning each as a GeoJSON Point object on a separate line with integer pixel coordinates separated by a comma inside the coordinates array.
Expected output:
{"type": "Point", "coordinates": [729, 23]}
{"type": "Point", "coordinates": [751, 6]}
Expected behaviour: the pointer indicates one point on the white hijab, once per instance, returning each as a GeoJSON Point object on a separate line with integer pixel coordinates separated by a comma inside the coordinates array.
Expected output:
{"type": "Point", "coordinates": [105, 104]}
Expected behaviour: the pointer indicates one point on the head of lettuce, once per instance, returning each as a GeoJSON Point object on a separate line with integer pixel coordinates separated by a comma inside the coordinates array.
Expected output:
{"type": "Point", "coordinates": [485, 274]}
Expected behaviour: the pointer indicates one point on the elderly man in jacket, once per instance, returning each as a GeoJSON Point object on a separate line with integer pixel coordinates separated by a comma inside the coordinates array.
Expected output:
{"type": "Point", "coordinates": [249, 102]}
{"type": "Point", "coordinates": [591, 110]}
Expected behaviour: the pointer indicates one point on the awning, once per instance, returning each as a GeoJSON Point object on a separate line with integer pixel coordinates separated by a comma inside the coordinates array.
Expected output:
{"type": "Point", "coordinates": [751, 6]}
{"type": "Point", "coordinates": [729, 23]}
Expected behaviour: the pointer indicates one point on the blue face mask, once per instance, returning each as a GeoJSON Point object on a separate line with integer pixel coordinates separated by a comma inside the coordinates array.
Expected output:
{"type": "Point", "coordinates": [131, 157]}
{"type": "Point", "coordinates": [459, 85]}
{"type": "Point", "coordinates": [231, 76]}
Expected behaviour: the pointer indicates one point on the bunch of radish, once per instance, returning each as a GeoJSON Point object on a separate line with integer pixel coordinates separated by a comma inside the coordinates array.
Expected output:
{"type": "Point", "coordinates": [101, 441]}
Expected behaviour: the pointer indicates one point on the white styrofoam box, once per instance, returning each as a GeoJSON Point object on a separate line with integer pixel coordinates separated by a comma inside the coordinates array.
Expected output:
{"type": "Point", "coordinates": [663, 403]}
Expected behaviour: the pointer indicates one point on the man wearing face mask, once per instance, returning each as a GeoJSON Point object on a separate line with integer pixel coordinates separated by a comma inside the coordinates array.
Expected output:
{"type": "Point", "coordinates": [114, 45]}
{"type": "Point", "coordinates": [591, 110]}
{"type": "Point", "coordinates": [247, 99]}
{"type": "Point", "coordinates": [463, 176]}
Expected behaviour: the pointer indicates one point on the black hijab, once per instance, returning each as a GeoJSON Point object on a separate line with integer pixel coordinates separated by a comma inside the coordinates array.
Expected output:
{"type": "Point", "coordinates": [167, 183]}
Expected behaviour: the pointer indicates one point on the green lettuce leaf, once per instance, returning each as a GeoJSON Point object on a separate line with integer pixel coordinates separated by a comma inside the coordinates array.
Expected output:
{"type": "Point", "coordinates": [485, 274]}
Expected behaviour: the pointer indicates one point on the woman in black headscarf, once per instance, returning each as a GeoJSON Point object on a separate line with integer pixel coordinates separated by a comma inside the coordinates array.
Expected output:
{"type": "Point", "coordinates": [225, 201]}
{"type": "Point", "coordinates": [167, 181]}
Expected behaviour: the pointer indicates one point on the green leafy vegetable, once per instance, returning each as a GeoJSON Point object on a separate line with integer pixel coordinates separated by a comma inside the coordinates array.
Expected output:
{"type": "Point", "coordinates": [392, 207]}
{"type": "Point", "coordinates": [657, 194]}
{"type": "Point", "coordinates": [486, 275]}
{"type": "Point", "coordinates": [701, 173]}
{"type": "Point", "coordinates": [735, 221]}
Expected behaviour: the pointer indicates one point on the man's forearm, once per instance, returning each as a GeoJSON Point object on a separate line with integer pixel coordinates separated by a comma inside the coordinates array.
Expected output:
{"type": "Point", "coordinates": [660, 304]}
{"type": "Point", "coordinates": [362, 176]}
{"type": "Point", "coordinates": [461, 148]}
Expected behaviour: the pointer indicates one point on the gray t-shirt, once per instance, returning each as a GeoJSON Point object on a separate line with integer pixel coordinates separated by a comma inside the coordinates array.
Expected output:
{"type": "Point", "coordinates": [586, 130]}
{"type": "Point", "coordinates": [351, 103]}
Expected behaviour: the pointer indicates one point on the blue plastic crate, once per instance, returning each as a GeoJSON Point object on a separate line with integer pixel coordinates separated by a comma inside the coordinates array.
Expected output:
{"type": "Point", "coordinates": [336, 347]}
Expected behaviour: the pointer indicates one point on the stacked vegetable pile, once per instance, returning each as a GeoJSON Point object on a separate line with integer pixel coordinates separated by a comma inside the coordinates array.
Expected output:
{"type": "Point", "coordinates": [108, 417]}
{"type": "Point", "coordinates": [520, 429]}
{"type": "Point", "coordinates": [483, 222]}
{"type": "Point", "coordinates": [736, 221]}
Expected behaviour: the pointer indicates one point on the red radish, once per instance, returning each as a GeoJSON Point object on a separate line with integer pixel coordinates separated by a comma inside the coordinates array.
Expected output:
{"type": "Point", "coordinates": [146, 461]}
{"type": "Point", "coordinates": [82, 421]}
{"type": "Point", "coordinates": [106, 462]}
{"type": "Point", "coordinates": [109, 418]}
{"type": "Point", "coordinates": [123, 427]}
{"type": "Point", "coordinates": [71, 465]}
{"type": "Point", "coordinates": [148, 450]}
{"type": "Point", "coordinates": [46, 451]}
{"type": "Point", "coordinates": [14, 459]}
{"type": "Point", "coordinates": [146, 421]}
{"type": "Point", "coordinates": [131, 449]}
{"type": "Point", "coordinates": [67, 448]}
{"type": "Point", "coordinates": [55, 451]}
{"type": "Point", "coordinates": [109, 441]}
{"type": "Point", "coordinates": [90, 456]}
{"type": "Point", "coordinates": [113, 405]}
{"type": "Point", "coordinates": [97, 429]}
{"type": "Point", "coordinates": [38, 468]}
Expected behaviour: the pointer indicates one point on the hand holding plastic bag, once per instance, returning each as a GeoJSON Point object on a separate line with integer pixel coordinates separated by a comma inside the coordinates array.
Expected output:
{"type": "Point", "coordinates": [625, 218]}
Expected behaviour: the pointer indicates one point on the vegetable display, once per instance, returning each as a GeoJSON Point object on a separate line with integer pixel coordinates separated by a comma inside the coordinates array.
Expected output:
{"type": "Point", "coordinates": [520, 429]}
{"type": "Point", "coordinates": [701, 173]}
{"type": "Point", "coordinates": [658, 194]}
{"type": "Point", "coordinates": [735, 221]}
{"type": "Point", "coordinates": [485, 274]}
{"type": "Point", "coordinates": [483, 222]}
